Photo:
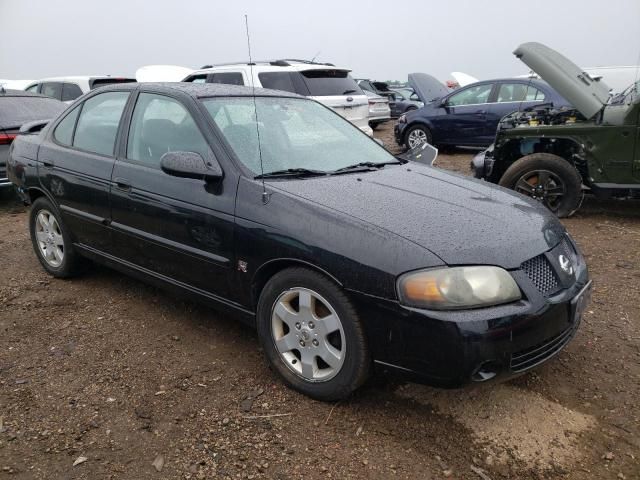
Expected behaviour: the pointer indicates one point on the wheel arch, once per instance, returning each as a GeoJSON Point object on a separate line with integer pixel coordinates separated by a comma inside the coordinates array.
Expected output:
{"type": "Point", "coordinates": [418, 122]}
{"type": "Point", "coordinates": [270, 268]}
{"type": "Point", "coordinates": [513, 149]}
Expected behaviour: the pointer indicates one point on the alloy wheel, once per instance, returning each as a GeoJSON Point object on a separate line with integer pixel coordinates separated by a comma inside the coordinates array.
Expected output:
{"type": "Point", "coordinates": [308, 334]}
{"type": "Point", "coordinates": [49, 238]}
{"type": "Point", "coordinates": [417, 137]}
{"type": "Point", "coordinates": [542, 185]}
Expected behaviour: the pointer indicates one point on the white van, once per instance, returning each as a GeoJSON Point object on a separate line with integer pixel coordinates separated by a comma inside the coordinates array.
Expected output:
{"type": "Point", "coordinates": [323, 82]}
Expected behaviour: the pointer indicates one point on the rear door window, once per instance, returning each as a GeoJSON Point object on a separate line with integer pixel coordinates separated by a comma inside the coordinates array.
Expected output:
{"type": "Point", "coordinates": [330, 82]}
{"type": "Point", "coordinates": [518, 92]}
{"type": "Point", "coordinates": [52, 89]}
{"type": "Point", "coordinates": [229, 78]}
{"type": "Point", "coordinates": [70, 91]}
{"type": "Point", "coordinates": [278, 81]}
{"type": "Point", "coordinates": [98, 123]}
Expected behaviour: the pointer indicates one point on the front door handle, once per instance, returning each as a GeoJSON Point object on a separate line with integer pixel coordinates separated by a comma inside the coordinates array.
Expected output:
{"type": "Point", "coordinates": [481, 112]}
{"type": "Point", "coordinates": [48, 164]}
{"type": "Point", "coordinates": [122, 183]}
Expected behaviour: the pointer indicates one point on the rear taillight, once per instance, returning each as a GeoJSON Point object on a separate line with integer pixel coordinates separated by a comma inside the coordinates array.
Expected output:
{"type": "Point", "coordinates": [6, 138]}
{"type": "Point", "coordinates": [371, 102]}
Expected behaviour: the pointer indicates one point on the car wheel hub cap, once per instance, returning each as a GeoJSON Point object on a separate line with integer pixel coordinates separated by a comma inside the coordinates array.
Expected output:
{"type": "Point", "coordinates": [308, 334]}
{"type": "Point", "coordinates": [49, 238]}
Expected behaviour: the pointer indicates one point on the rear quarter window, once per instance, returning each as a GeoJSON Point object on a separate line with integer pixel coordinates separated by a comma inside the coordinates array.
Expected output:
{"type": "Point", "coordinates": [64, 131]}
{"type": "Point", "coordinates": [278, 81]}
{"type": "Point", "coordinates": [229, 78]}
{"type": "Point", "coordinates": [330, 82]}
{"type": "Point", "coordinates": [70, 91]}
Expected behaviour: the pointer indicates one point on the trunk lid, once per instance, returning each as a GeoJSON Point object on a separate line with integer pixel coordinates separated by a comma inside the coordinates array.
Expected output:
{"type": "Point", "coordinates": [428, 88]}
{"type": "Point", "coordinates": [587, 95]}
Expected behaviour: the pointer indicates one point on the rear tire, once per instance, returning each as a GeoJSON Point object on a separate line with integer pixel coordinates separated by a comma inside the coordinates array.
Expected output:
{"type": "Point", "coordinates": [548, 178]}
{"type": "Point", "coordinates": [417, 135]}
{"type": "Point", "coordinates": [311, 335]}
{"type": "Point", "coordinates": [51, 240]}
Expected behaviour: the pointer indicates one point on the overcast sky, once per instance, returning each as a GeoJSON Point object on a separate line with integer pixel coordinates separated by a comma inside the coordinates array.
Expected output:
{"type": "Point", "coordinates": [379, 39]}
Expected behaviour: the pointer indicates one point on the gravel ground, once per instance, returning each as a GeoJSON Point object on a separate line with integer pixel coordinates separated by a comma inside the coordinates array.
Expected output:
{"type": "Point", "coordinates": [126, 381]}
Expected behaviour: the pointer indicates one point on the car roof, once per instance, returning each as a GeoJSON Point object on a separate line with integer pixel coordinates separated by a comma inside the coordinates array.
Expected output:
{"type": "Point", "coordinates": [77, 78]}
{"type": "Point", "coordinates": [271, 66]}
{"type": "Point", "coordinates": [19, 93]}
{"type": "Point", "coordinates": [201, 90]}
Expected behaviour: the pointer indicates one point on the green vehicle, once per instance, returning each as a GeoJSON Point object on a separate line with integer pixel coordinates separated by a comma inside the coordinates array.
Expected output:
{"type": "Point", "coordinates": [555, 155]}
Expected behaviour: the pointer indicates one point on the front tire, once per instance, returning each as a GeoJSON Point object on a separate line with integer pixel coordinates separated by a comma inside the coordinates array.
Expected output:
{"type": "Point", "coordinates": [417, 135]}
{"type": "Point", "coordinates": [51, 241]}
{"type": "Point", "coordinates": [548, 178]}
{"type": "Point", "coordinates": [311, 335]}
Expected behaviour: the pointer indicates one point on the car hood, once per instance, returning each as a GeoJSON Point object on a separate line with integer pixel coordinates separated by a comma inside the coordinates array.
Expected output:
{"type": "Point", "coordinates": [462, 221]}
{"type": "Point", "coordinates": [587, 95]}
{"type": "Point", "coordinates": [428, 88]}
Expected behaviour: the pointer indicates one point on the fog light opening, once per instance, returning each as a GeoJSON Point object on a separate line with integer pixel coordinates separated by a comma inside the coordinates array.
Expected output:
{"type": "Point", "coordinates": [486, 371]}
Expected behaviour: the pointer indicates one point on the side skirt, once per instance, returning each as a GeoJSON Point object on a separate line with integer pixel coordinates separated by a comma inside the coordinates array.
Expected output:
{"type": "Point", "coordinates": [164, 282]}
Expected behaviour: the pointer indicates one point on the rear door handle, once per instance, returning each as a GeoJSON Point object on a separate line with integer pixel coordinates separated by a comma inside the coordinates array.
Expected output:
{"type": "Point", "coordinates": [122, 183]}
{"type": "Point", "coordinates": [481, 112]}
{"type": "Point", "coordinates": [48, 164]}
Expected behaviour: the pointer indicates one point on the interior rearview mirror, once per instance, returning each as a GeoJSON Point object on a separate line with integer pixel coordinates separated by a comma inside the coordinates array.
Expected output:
{"type": "Point", "coordinates": [190, 165]}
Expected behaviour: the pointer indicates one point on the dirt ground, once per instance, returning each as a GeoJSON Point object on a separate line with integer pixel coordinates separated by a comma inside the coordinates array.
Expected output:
{"type": "Point", "coordinates": [126, 381]}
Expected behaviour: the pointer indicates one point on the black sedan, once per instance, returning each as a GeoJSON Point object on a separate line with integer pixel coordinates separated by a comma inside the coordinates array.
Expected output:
{"type": "Point", "coordinates": [344, 257]}
{"type": "Point", "coordinates": [17, 108]}
{"type": "Point", "coordinates": [468, 116]}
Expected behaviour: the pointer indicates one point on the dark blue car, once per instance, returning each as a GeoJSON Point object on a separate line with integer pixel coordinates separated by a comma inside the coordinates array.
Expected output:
{"type": "Point", "coordinates": [468, 116]}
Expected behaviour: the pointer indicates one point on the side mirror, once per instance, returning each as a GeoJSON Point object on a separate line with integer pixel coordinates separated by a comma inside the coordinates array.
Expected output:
{"type": "Point", "coordinates": [443, 103]}
{"type": "Point", "coordinates": [190, 165]}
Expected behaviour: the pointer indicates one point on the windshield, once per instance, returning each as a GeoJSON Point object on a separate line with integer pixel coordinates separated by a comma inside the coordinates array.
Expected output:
{"type": "Point", "coordinates": [322, 83]}
{"type": "Point", "coordinates": [294, 134]}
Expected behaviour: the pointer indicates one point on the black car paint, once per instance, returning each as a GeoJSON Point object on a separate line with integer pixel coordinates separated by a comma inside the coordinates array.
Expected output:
{"type": "Point", "coordinates": [219, 242]}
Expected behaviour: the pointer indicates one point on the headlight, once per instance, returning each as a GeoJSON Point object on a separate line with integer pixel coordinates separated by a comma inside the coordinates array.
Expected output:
{"type": "Point", "coordinates": [457, 288]}
{"type": "Point", "coordinates": [402, 118]}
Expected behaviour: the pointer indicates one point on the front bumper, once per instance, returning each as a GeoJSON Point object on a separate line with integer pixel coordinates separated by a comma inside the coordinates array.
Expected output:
{"type": "Point", "coordinates": [482, 165]}
{"type": "Point", "coordinates": [453, 348]}
{"type": "Point", "coordinates": [398, 133]}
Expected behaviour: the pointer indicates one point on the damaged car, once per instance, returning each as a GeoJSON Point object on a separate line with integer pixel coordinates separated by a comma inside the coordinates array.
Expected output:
{"type": "Point", "coordinates": [554, 154]}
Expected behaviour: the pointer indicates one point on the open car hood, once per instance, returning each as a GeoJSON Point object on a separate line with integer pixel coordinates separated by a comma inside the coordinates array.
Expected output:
{"type": "Point", "coordinates": [428, 88]}
{"type": "Point", "coordinates": [572, 82]}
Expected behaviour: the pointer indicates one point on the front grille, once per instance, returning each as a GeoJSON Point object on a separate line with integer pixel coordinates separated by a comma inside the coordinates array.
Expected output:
{"type": "Point", "coordinates": [541, 274]}
{"type": "Point", "coordinates": [532, 356]}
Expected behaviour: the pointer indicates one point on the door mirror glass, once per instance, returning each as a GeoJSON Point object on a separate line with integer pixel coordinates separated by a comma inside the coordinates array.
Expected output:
{"type": "Point", "coordinates": [190, 165]}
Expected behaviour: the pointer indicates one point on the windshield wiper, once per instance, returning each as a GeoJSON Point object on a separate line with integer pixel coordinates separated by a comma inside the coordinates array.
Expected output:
{"type": "Point", "coordinates": [364, 167]}
{"type": "Point", "coordinates": [347, 92]}
{"type": "Point", "coordinates": [292, 172]}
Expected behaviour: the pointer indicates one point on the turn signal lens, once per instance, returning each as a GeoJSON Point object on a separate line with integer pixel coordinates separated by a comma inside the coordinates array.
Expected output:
{"type": "Point", "coordinates": [458, 288]}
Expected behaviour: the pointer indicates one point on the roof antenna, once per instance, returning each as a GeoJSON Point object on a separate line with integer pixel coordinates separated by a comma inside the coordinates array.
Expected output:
{"type": "Point", "coordinates": [315, 56]}
{"type": "Point", "coordinates": [265, 195]}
